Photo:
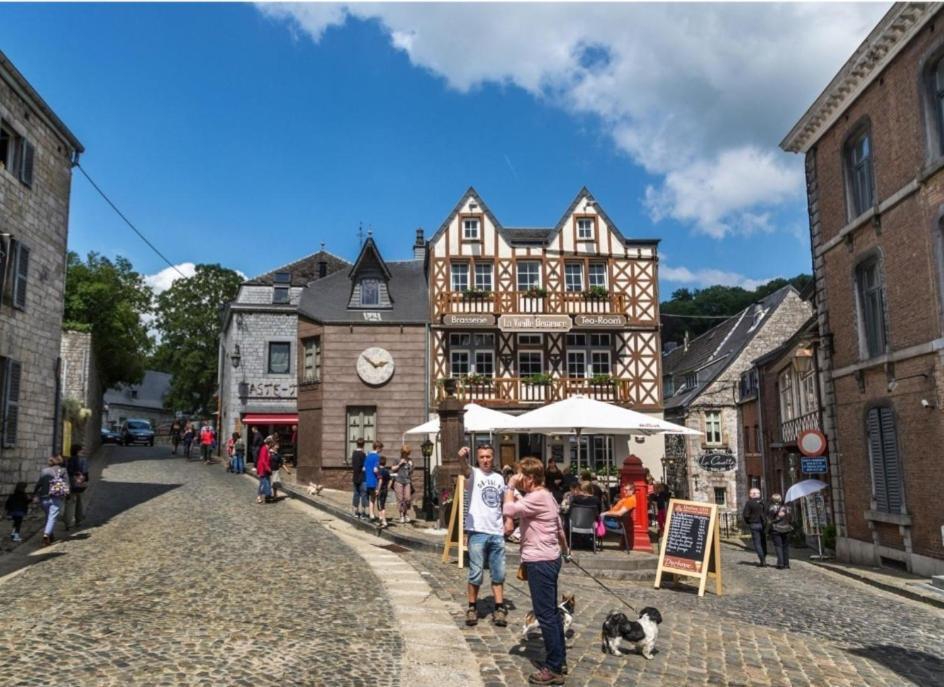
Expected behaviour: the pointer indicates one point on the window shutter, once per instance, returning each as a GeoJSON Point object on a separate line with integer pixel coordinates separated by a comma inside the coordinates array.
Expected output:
{"type": "Point", "coordinates": [11, 401]}
{"type": "Point", "coordinates": [26, 171]}
{"type": "Point", "coordinates": [19, 277]}
{"type": "Point", "coordinates": [893, 487]}
{"type": "Point", "coordinates": [875, 453]}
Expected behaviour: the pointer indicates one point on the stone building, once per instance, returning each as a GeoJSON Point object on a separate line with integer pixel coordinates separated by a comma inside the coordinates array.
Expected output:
{"type": "Point", "coordinates": [257, 375]}
{"type": "Point", "coordinates": [527, 316]}
{"type": "Point", "coordinates": [81, 382]}
{"type": "Point", "coordinates": [144, 401]}
{"type": "Point", "coordinates": [701, 380]}
{"type": "Point", "coordinates": [361, 361]}
{"type": "Point", "coordinates": [36, 155]}
{"type": "Point", "coordinates": [873, 143]}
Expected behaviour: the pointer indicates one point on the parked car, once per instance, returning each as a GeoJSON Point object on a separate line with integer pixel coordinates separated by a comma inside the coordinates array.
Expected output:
{"type": "Point", "coordinates": [136, 432]}
{"type": "Point", "coordinates": [110, 436]}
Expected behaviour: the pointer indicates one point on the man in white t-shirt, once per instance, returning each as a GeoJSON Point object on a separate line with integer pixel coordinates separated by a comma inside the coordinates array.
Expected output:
{"type": "Point", "coordinates": [485, 527]}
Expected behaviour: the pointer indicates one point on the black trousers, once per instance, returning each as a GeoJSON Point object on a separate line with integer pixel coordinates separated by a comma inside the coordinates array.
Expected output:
{"type": "Point", "coordinates": [759, 539]}
{"type": "Point", "coordinates": [782, 545]}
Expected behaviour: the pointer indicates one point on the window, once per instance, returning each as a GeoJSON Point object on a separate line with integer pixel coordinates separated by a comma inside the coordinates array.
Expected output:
{"type": "Point", "coordinates": [20, 273]}
{"type": "Point", "coordinates": [312, 360]}
{"type": "Point", "coordinates": [279, 357]}
{"type": "Point", "coordinates": [282, 281]}
{"type": "Point", "coordinates": [808, 394]}
{"type": "Point", "coordinates": [472, 354]}
{"type": "Point", "coordinates": [470, 229]}
{"type": "Point", "coordinates": [16, 154]}
{"type": "Point", "coordinates": [668, 386]}
{"type": "Point", "coordinates": [459, 363]}
{"type": "Point", "coordinates": [871, 308]}
{"type": "Point", "coordinates": [485, 363]}
{"type": "Point", "coordinates": [10, 372]}
{"type": "Point", "coordinates": [573, 276]}
{"type": "Point", "coordinates": [597, 275]}
{"type": "Point", "coordinates": [361, 424]}
{"type": "Point", "coordinates": [721, 495]}
{"type": "Point", "coordinates": [576, 364]}
{"type": "Point", "coordinates": [529, 275]}
{"type": "Point", "coordinates": [530, 363]}
{"type": "Point", "coordinates": [713, 427]}
{"type": "Point", "coordinates": [691, 380]}
{"type": "Point", "coordinates": [370, 292]}
{"type": "Point", "coordinates": [859, 171]}
{"type": "Point", "coordinates": [530, 339]}
{"type": "Point", "coordinates": [583, 348]}
{"type": "Point", "coordinates": [883, 455]}
{"type": "Point", "coordinates": [937, 98]}
{"type": "Point", "coordinates": [585, 228]}
{"type": "Point", "coordinates": [599, 363]}
{"type": "Point", "coordinates": [460, 276]}
{"type": "Point", "coordinates": [787, 404]}
{"type": "Point", "coordinates": [483, 276]}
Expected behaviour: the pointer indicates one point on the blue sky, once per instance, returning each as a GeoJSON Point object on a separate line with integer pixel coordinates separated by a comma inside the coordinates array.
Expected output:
{"type": "Point", "coordinates": [248, 135]}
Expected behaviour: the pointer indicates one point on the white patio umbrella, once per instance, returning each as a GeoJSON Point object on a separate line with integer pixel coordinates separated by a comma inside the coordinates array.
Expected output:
{"type": "Point", "coordinates": [804, 488]}
{"type": "Point", "coordinates": [476, 419]}
{"type": "Point", "coordinates": [579, 414]}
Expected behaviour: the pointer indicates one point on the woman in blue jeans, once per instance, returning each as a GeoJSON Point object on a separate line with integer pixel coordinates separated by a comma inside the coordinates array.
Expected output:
{"type": "Point", "coordinates": [51, 490]}
{"type": "Point", "coordinates": [542, 540]}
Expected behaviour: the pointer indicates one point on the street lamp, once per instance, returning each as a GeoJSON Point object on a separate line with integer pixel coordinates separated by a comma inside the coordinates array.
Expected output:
{"type": "Point", "coordinates": [235, 357]}
{"type": "Point", "coordinates": [426, 448]}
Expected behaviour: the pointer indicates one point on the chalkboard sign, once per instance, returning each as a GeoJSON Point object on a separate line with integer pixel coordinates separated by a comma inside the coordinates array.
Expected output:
{"type": "Point", "coordinates": [691, 544]}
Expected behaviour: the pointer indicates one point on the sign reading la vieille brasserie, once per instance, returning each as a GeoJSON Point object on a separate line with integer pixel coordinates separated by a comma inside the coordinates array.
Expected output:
{"type": "Point", "coordinates": [534, 323]}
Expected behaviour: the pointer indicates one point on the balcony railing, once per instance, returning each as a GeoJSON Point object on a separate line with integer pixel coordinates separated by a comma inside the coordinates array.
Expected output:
{"type": "Point", "coordinates": [791, 429]}
{"type": "Point", "coordinates": [525, 302]}
{"type": "Point", "coordinates": [523, 390]}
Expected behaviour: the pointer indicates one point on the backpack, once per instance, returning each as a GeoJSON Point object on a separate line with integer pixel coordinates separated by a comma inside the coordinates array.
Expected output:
{"type": "Point", "coordinates": [275, 462]}
{"type": "Point", "coordinates": [59, 484]}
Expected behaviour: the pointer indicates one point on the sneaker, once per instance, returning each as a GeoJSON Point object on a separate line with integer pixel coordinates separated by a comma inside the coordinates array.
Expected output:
{"type": "Point", "coordinates": [545, 677]}
{"type": "Point", "coordinates": [47, 540]}
{"type": "Point", "coordinates": [537, 664]}
{"type": "Point", "coordinates": [500, 617]}
{"type": "Point", "coordinates": [471, 617]}
{"type": "Point", "coordinates": [16, 537]}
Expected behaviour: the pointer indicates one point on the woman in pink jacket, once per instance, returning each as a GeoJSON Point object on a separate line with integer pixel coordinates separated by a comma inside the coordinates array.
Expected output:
{"type": "Point", "coordinates": [264, 472]}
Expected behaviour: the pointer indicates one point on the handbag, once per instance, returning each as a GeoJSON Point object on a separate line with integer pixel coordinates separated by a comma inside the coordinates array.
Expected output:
{"type": "Point", "coordinates": [600, 527]}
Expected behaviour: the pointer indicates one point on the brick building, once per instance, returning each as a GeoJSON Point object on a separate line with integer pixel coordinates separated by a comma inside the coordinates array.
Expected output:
{"type": "Point", "coordinates": [81, 381]}
{"type": "Point", "coordinates": [701, 379]}
{"type": "Point", "coordinates": [36, 155]}
{"type": "Point", "coordinates": [873, 143]}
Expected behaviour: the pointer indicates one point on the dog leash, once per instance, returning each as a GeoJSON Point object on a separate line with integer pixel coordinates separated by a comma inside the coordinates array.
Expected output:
{"type": "Point", "coordinates": [607, 589]}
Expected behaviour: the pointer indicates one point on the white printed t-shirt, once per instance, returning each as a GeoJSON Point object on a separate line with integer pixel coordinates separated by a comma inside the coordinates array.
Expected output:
{"type": "Point", "coordinates": [485, 503]}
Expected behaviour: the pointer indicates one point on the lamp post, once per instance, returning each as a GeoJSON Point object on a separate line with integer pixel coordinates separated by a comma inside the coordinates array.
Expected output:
{"type": "Point", "coordinates": [427, 450]}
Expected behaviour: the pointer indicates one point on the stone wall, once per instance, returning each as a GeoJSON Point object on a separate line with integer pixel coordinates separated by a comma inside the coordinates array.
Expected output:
{"type": "Point", "coordinates": [37, 216]}
{"type": "Point", "coordinates": [80, 380]}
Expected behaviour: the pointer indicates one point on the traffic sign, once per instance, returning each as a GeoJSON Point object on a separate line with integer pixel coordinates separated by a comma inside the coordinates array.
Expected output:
{"type": "Point", "coordinates": [814, 465]}
{"type": "Point", "coordinates": [812, 442]}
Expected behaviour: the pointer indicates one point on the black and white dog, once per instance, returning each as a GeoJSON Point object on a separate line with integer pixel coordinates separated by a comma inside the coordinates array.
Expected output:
{"type": "Point", "coordinates": [640, 633]}
{"type": "Point", "coordinates": [566, 610]}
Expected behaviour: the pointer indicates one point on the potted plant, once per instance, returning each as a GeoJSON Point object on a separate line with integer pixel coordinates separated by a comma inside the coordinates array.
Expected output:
{"type": "Point", "coordinates": [536, 292]}
{"type": "Point", "coordinates": [478, 380]}
{"type": "Point", "coordinates": [601, 379]}
{"type": "Point", "coordinates": [538, 379]}
{"type": "Point", "coordinates": [475, 293]}
{"type": "Point", "coordinates": [596, 293]}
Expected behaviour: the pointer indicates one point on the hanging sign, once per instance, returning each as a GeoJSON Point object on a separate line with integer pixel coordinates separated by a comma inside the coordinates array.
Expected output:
{"type": "Point", "coordinates": [469, 320]}
{"type": "Point", "coordinates": [601, 320]}
{"type": "Point", "coordinates": [535, 323]}
{"type": "Point", "coordinates": [811, 442]}
{"type": "Point", "coordinates": [717, 461]}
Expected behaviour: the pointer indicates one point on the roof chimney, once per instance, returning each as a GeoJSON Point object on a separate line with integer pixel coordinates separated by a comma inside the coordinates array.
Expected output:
{"type": "Point", "coordinates": [419, 246]}
{"type": "Point", "coordinates": [685, 342]}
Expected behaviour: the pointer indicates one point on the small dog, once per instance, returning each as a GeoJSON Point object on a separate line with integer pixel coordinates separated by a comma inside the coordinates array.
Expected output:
{"type": "Point", "coordinates": [566, 610]}
{"type": "Point", "coordinates": [641, 633]}
{"type": "Point", "coordinates": [314, 489]}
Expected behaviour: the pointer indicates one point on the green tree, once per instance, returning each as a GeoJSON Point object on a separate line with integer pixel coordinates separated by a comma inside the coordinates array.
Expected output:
{"type": "Point", "coordinates": [188, 319]}
{"type": "Point", "coordinates": [110, 299]}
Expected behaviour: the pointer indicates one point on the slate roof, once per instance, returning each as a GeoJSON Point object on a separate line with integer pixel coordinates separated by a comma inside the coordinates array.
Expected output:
{"type": "Point", "coordinates": [151, 391]}
{"type": "Point", "coordinates": [326, 300]}
{"type": "Point", "coordinates": [710, 354]}
{"type": "Point", "coordinates": [303, 270]}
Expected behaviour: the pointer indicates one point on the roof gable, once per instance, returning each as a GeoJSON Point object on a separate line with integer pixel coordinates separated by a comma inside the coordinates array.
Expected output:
{"type": "Point", "coordinates": [302, 270]}
{"type": "Point", "coordinates": [369, 260]}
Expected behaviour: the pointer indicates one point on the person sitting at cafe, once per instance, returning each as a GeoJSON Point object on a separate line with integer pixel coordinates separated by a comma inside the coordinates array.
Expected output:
{"type": "Point", "coordinates": [626, 503]}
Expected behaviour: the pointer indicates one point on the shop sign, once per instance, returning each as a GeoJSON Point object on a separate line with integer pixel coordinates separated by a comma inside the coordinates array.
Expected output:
{"type": "Point", "coordinates": [535, 323]}
{"type": "Point", "coordinates": [601, 320]}
{"type": "Point", "coordinates": [469, 320]}
{"type": "Point", "coordinates": [271, 390]}
{"type": "Point", "coordinates": [717, 461]}
{"type": "Point", "coordinates": [814, 465]}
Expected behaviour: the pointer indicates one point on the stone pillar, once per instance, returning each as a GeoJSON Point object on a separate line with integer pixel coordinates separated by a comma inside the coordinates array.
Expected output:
{"type": "Point", "coordinates": [452, 438]}
{"type": "Point", "coordinates": [633, 471]}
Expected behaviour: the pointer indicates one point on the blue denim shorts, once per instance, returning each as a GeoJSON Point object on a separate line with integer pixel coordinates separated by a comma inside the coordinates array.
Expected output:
{"type": "Point", "coordinates": [484, 546]}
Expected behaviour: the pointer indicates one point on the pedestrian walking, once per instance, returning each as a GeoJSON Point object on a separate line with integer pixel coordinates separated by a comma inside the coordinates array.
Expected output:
{"type": "Point", "coordinates": [17, 506]}
{"type": "Point", "coordinates": [51, 489]}
{"type": "Point", "coordinates": [77, 467]}
{"type": "Point", "coordinates": [754, 515]}
{"type": "Point", "coordinates": [188, 439]}
{"type": "Point", "coordinates": [403, 482]}
{"type": "Point", "coordinates": [485, 526]}
{"type": "Point", "coordinates": [206, 443]}
{"type": "Point", "coordinates": [276, 464]}
{"type": "Point", "coordinates": [257, 443]}
{"type": "Point", "coordinates": [371, 462]}
{"type": "Point", "coordinates": [230, 446]}
{"type": "Point", "coordinates": [383, 485]}
{"type": "Point", "coordinates": [175, 432]}
{"type": "Point", "coordinates": [542, 544]}
{"type": "Point", "coordinates": [359, 500]}
{"type": "Point", "coordinates": [781, 526]}
{"type": "Point", "coordinates": [264, 472]}
{"type": "Point", "coordinates": [239, 454]}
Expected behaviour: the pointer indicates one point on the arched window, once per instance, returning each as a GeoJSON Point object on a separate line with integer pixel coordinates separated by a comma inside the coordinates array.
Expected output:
{"type": "Point", "coordinates": [937, 100]}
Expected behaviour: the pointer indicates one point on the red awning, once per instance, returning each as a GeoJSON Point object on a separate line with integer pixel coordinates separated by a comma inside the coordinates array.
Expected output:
{"type": "Point", "coordinates": [270, 419]}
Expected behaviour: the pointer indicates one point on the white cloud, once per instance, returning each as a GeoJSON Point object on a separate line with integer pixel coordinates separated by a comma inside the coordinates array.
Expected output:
{"type": "Point", "coordinates": [161, 281]}
{"type": "Point", "coordinates": [698, 95]}
{"type": "Point", "coordinates": [701, 278]}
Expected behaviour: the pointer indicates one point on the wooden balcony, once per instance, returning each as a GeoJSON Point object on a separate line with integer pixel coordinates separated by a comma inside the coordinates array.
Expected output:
{"type": "Point", "coordinates": [524, 391]}
{"type": "Point", "coordinates": [791, 429]}
{"type": "Point", "coordinates": [524, 302]}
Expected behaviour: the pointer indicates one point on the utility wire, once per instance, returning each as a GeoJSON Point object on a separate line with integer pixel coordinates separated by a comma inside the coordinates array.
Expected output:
{"type": "Point", "coordinates": [128, 221]}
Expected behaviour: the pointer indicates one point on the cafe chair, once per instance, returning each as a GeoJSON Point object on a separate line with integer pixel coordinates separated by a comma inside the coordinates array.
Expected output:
{"type": "Point", "coordinates": [582, 519]}
{"type": "Point", "coordinates": [622, 526]}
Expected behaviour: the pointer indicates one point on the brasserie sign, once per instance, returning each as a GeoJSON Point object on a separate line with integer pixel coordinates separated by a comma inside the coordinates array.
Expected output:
{"type": "Point", "coordinates": [535, 323]}
{"type": "Point", "coordinates": [717, 461]}
{"type": "Point", "coordinates": [469, 320]}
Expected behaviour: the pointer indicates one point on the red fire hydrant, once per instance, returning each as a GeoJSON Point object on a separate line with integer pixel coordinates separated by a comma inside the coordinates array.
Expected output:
{"type": "Point", "coordinates": [633, 471]}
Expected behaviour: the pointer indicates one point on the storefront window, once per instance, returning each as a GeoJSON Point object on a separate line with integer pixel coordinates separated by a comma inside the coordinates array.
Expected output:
{"type": "Point", "coordinates": [530, 363]}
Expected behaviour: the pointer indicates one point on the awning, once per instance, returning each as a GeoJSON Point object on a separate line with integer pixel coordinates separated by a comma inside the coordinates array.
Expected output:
{"type": "Point", "coordinates": [270, 419]}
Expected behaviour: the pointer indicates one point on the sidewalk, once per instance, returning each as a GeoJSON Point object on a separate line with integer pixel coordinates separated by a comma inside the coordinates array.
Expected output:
{"type": "Point", "coordinates": [887, 579]}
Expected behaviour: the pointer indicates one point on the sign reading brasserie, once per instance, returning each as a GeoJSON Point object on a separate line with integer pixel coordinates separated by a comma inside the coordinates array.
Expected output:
{"type": "Point", "coordinates": [599, 321]}
{"type": "Point", "coordinates": [535, 323]}
{"type": "Point", "coordinates": [717, 461]}
{"type": "Point", "coordinates": [469, 320]}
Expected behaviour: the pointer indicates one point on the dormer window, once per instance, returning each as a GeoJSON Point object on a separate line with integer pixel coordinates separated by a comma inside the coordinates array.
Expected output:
{"type": "Point", "coordinates": [585, 227]}
{"type": "Point", "coordinates": [280, 294]}
{"type": "Point", "coordinates": [470, 229]}
{"type": "Point", "coordinates": [370, 292]}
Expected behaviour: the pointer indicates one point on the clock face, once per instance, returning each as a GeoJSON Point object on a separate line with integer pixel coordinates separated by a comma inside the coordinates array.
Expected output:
{"type": "Point", "coordinates": [375, 366]}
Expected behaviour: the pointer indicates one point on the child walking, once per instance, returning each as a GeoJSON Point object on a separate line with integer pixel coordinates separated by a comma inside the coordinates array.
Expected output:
{"type": "Point", "coordinates": [16, 507]}
{"type": "Point", "coordinates": [383, 483]}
